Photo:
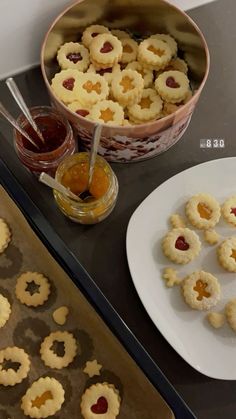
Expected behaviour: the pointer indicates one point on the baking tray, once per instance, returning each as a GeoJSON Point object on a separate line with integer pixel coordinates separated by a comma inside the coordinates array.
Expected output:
{"type": "Point", "coordinates": [101, 333]}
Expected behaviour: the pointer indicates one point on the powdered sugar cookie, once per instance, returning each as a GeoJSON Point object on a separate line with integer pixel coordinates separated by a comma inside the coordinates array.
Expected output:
{"type": "Point", "coordinates": [5, 310]}
{"type": "Point", "coordinates": [146, 74]}
{"type": "Point", "coordinates": [169, 40]}
{"type": "Point", "coordinates": [148, 108]}
{"type": "Point", "coordinates": [100, 399]}
{"type": "Point", "coordinates": [172, 86]}
{"type": "Point", "coordinates": [181, 245]}
{"type": "Point", "coordinates": [73, 55]}
{"type": "Point", "coordinates": [216, 320]}
{"type": "Point", "coordinates": [203, 211]}
{"type": "Point", "coordinates": [92, 88]}
{"type": "Point", "coordinates": [8, 375]}
{"type": "Point", "coordinates": [107, 73]}
{"type": "Point", "coordinates": [229, 210]}
{"type": "Point", "coordinates": [48, 352]}
{"type": "Point", "coordinates": [177, 221]}
{"type": "Point", "coordinates": [108, 112]}
{"type": "Point", "coordinates": [80, 109]}
{"type": "Point", "coordinates": [154, 54]}
{"type": "Point", "coordinates": [5, 235]}
{"type": "Point", "coordinates": [171, 278]}
{"type": "Point", "coordinates": [226, 253]}
{"type": "Point", "coordinates": [120, 34]}
{"type": "Point", "coordinates": [105, 50]}
{"type": "Point", "coordinates": [92, 368]}
{"type": "Point", "coordinates": [32, 289]}
{"type": "Point", "coordinates": [130, 50]}
{"type": "Point", "coordinates": [201, 290]}
{"type": "Point", "coordinates": [60, 314]}
{"type": "Point", "coordinates": [64, 85]}
{"type": "Point", "coordinates": [127, 87]}
{"type": "Point", "coordinates": [211, 236]}
{"type": "Point", "coordinates": [44, 398]}
{"type": "Point", "coordinates": [230, 312]}
{"type": "Point", "coordinates": [91, 32]}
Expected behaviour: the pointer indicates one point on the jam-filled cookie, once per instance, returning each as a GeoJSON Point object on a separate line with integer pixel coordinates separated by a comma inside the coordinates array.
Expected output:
{"type": "Point", "coordinates": [146, 74]}
{"type": "Point", "coordinates": [108, 112]}
{"type": "Point", "coordinates": [80, 109]}
{"type": "Point", "coordinates": [130, 50]}
{"type": "Point", "coordinates": [120, 34]}
{"type": "Point", "coordinates": [148, 108]}
{"type": "Point", "coordinates": [229, 210]}
{"type": "Point", "coordinates": [201, 290]}
{"type": "Point", "coordinates": [64, 85]}
{"type": "Point", "coordinates": [51, 344]}
{"type": "Point", "coordinates": [8, 375]}
{"type": "Point", "coordinates": [91, 32]}
{"type": "Point", "coordinates": [203, 211]}
{"type": "Point", "coordinates": [107, 73]}
{"type": "Point", "coordinates": [73, 55]}
{"type": "Point", "coordinates": [181, 245]}
{"type": "Point", "coordinates": [172, 86]}
{"type": "Point", "coordinates": [169, 108]}
{"type": "Point", "coordinates": [226, 253]}
{"type": "Point", "coordinates": [105, 50]}
{"type": "Point", "coordinates": [168, 39]}
{"type": "Point", "coordinates": [154, 54]}
{"type": "Point", "coordinates": [127, 87]}
{"type": "Point", "coordinates": [92, 88]}
{"type": "Point", "coordinates": [177, 64]}
{"type": "Point", "coordinates": [101, 399]}
{"type": "Point", "coordinates": [230, 312]}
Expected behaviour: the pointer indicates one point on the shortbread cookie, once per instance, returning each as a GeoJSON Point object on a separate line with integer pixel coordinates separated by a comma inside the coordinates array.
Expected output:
{"type": "Point", "coordinates": [171, 278]}
{"type": "Point", "coordinates": [216, 320]}
{"type": "Point", "coordinates": [201, 290]}
{"type": "Point", "coordinates": [168, 39]}
{"type": "Point", "coordinates": [169, 108]}
{"type": "Point", "coordinates": [105, 50]}
{"type": "Point", "coordinates": [32, 289]}
{"type": "Point", "coordinates": [5, 310]}
{"type": "Point", "coordinates": [181, 245]}
{"type": "Point", "coordinates": [64, 85]}
{"type": "Point", "coordinates": [108, 112]}
{"type": "Point", "coordinates": [100, 399]}
{"type": "Point", "coordinates": [203, 211]}
{"type": "Point", "coordinates": [211, 236]}
{"type": "Point", "coordinates": [127, 87]}
{"type": "Point", "coordinates": [148, 108]}
{"type": "Point", "coordinates": [130, 50]}
{"type": "Point", "coordinates": [107, 73]}
{"type": "Point", "coordinates": [60, 315]}
{"type": "Point", "coordinates": [43, 399]}
{"type": "Point", "coordinates": [73, 55]}
{"type": "Point", "coordinates": [92, 88]}
{"type": "Point", "coordinates": [146, 74]}
{"type": "Point", "coordinates": [120, 34]}
{"type": "Point", "coordinates": [5, 235]}
{"type": "Point", "coordinates": [230, 312]}
{"type": "Point", "coordinates": [177, 221]}
{"type": "Point", "coordinates": [80, 109]}
{"type": "Point", "coordinates": [154, 54]}
{"type": "Point", "coordinates": [92, 368]}
{"type": "Point", "coordinates": [15, 355]}
{"type": "Point", "coordinates": [172, 86]}
{"type": "Point", "coordinates": [229, 210]}
{"type": "Point", "coordinates": [50, 358]}
{"type": "Point", "coordinates": [91, 32]}
{"type": "Point", "coordinates": [226, 253]}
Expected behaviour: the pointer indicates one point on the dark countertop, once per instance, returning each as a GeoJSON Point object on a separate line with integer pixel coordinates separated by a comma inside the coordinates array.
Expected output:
{"type": "Point", "coordinates": [101, 248]}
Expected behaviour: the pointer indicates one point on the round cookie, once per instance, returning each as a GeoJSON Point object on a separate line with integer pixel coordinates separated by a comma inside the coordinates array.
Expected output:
{"type": "Point", "coordinates": [40, 289]}
{"type": "Point", "coordinates": [172, 86]}
{"type": "Point", "coordinates": [91, 32]}
{"type": "Point", "coordinates": [100, 399]}
{"type": "Point", "coordinates": [169, 40]}
{"type": "Point", "coordinates": [201, 290]}
{"type": "Point", "coordinates": [10, 376]}
{"type": "Point", "coordinates": [146, 74]}
{"type": "Point", "coordinates": [226, 253]}
{"type": "Point", "coordinates": [5, 310]}
{"type": "Point", "coordinates": [130, 50]}
{"type": "Point", "coordinates": [64, 85]}
{"type": "Point", "coordinates": [73, 55]}
{"type": "Point", "coordinates": [92, 88]}
{"type": "Point", "coordinates": [80, 109]}
{"type": "Point", "coordinates": [108, 112]}
{"type": "Point", "coordinates": [50, 358]}
{"type": "Point", "coordinates": [5, 235]}
{"type": "Point", "coordinates": [127, 87]}
{"type": "Point", "coordinates": [229, 210]}
{"type": "Point", "coordinates": [181, 245]}
{"type": "Point", "coordinates": [148, 108]}
{"type": "Point", "coordinates": [154, 54]}
{"type": "Point", "coordinates": [203, 211]}
{"type": "Point", "coordinates": [105, 50]}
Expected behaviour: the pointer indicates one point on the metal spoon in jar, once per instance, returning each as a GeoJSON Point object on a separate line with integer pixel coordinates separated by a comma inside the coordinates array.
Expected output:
{"type": "Point", "coordinates": [12, 86]}
{"type": "Point", "coordinates": [86, 195]}
{"type": "Point", "coordinates": [15, 124]}
{"type": "Point", "coordinates": [52, 183]}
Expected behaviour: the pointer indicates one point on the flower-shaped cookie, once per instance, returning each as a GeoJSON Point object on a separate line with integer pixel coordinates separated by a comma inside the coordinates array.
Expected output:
{"type": "Point", "coordinates": [107, 73]}
{"type": "Point", "coordinates": [108, 112]}
{"type": "Point", "coordinates": [105, 50]}
{"type": "Point", "coordinates": [64, 85]}
{"type": "Point", "coordinates": [100, 399]}
{"type": "Point", "coordinates": [73, 55]}
{"type": "Point", "coordinates": [130, 50]}
{"type": "Point", "coordinates": [127, 87]}
{"type": "Point", "coordinates": [172, 86]}
{"type": "Point", "coordinates": [201, 290]}
{"type": "Point", "coordinates": [148, 108]}
{"type": "Point", "coordinates": [32, 289]}
{"type": "Point", "coordinates": [146, 74]}
{"type": "Point", "coordinates": [10, 376]}
{"type": "Point", "coordinates": [169, 40]}
{"type": "Point", "coordinates": [154, 54]}
{"type": "Point", "coordinates": [51, 345]}
{"type": "Point", "coordinates": [80, 109]}
{"type": "Point", "coordinates": [229, 210]}
{"type": "Point", "coordinates": [92, 88]}
{"type": "Point", "coordinates": [181, 245]}
{"type": "Point", "coordinates": [203, 211]}
{"type": "Point", "coordinates": [91, 32]}
{"type": "Point", "coordinates": [226, 253]}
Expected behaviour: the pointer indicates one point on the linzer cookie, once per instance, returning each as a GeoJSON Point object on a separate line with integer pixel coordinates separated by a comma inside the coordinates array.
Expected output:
{"type": "Point", "coordinates": [107, 73]}
{"type": "Point", "coordinates": [100, 399]}
{"type": "Point", "coordinates": [5, 235]}
{"type": "Point", "coordinates": [64, 85]}
{"type": "Point", "coordinates": [92, 88]}
{"type": "Point", "coordinates": [43, 399]}
{"type": "Point", "coordinates": [201, 290]}
{"type": "Point", "coordinates": [127, 87]}
{"type": "Point", "coordinates": [177, 64]}
{"type": "Point", "coordinates": [229, 210]}
{"type": "Point", "coordinates": [13, 355]}
{"type": "Point", "coordinates": [203, 211]}
{"type": "Point", "coordinates": [73, 55]}
{"type": "Point", "coordinates": [108, 112]}
{"type": "Point", "coordinates": [50, 346]}
{"type": "Point", "coordinates": [169, 40]}
{"type": "Point", "coordinates": [148, 108]}
{"type": "Point", "coordinates": [120, 34]}
{"type": "Point", "coordinates": [154, 54]}
{"type": "Point", "coordinates": [5, 310]}
{"type": "Point", "coordinates": [105, 50]}
{"type": "Point", "coordinates": [146, 74]}
{"type": "Point", "coordinates": [169, 108]}
{"type": "Point", "coordinates": [80, 109]}
{"type": "Point", "coordinates": [172, 86]}
{"type": "Point", "coordinates": [181, 245]}
{"type": "Point", "coordinates": [226, 253]}
{"type": "Point", "coordinates": [91, 32]}
{"type": "Point", "coordinates": [32, 289]}
{"type": "Point", "coordinates": [130, 50]}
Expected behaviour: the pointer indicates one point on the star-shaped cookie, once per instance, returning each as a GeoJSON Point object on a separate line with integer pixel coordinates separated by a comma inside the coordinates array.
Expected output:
{"type": "Point", "coordinates": [92, 368]}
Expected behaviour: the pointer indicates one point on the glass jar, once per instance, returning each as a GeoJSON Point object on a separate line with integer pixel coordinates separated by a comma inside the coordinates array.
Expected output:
{"type": "Point", "coordinates": [59, 140]}
{"type": "Point", "coordinates": [94, 211]}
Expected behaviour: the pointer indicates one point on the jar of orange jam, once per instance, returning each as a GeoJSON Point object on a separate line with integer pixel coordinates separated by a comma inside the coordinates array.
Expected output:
{"type": "Point", "coordinates": [73, 173]}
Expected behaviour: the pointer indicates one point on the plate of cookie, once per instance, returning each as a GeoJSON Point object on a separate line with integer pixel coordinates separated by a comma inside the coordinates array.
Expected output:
{"type": "Point", "coordinates": [181, 250]}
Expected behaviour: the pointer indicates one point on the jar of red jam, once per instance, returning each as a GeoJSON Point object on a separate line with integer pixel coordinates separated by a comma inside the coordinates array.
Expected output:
{"type": "Point", "coordinates": [59, 140]}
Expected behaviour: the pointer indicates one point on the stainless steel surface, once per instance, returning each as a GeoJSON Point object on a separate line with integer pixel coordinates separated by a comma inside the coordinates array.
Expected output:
{"type": "Point", "coordinates": [94, 151]}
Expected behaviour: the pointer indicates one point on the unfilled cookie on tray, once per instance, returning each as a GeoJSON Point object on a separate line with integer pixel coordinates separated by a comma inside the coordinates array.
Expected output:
{"type": "Point", "coordinates": [201, 290]}
{"type": "Point", "coordinates": [5, 235]}
{"type": "Point", "coordinates": [64, 343]}
{"type": "Point", "coordinates": [181, 245]}
{"type": "Point", "coordinates": [226, 253]}
{"type": "Point", "coordinates": [229, 210]}
{"type": "Point", "coordinates": [92, 368]}
{"type": "Point", "coordinates": [60, 315]}
{"type": "Point", "coordinates": [13, 357]}
{"type": "Point", "coordinates": [100, 400]}
{"type": "Point", "coordinates": [5, 310]}
{"type": "Point", "coordinates": [203, 211]}
{"type": "Point", "coordinates": [32, 289]}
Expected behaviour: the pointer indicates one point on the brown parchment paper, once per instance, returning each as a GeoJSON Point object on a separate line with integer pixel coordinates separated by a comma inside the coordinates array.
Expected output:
{"type": "Point", "coordinates": [27, 327]}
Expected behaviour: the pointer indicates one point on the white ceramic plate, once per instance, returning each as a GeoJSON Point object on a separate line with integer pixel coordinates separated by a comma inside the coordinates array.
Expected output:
{"type": "Point", "coordinates": [212, 352]}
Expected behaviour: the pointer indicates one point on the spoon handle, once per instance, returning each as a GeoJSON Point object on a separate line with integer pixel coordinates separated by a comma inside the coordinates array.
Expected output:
{"type": "Point", "coordinates": [15, 124]}
{"type": "Point", "coordinates": [93, 153]}
{"type": "Point", "coordinates": [12, 86]}
{"type": "Point", "coordinates": [52, 183]}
